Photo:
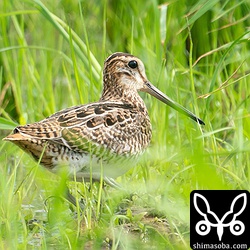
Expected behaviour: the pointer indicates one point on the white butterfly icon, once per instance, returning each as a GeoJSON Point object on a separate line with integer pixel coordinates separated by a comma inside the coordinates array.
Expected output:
{"type": "Point", "coordinates": [236, 227]}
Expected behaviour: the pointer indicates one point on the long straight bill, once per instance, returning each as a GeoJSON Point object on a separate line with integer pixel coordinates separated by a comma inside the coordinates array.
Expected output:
{"type": "Point", "coordinates": [152, 90]}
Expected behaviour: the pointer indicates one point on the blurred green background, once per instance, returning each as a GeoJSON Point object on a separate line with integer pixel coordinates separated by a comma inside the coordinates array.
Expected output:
{"type": "Point", "coordinates": [51, 57]}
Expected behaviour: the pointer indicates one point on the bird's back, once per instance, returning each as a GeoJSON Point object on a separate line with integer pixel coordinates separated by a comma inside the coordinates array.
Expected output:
{"type": "Point", "coordinates": [101, 130]}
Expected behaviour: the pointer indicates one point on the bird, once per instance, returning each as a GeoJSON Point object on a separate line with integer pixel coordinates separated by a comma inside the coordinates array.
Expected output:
{"type": "Point", "coordinates": [101, 139]}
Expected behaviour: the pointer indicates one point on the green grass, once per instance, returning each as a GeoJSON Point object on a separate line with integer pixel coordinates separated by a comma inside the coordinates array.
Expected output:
{"type": "Point", "coordinates": [51, 57]}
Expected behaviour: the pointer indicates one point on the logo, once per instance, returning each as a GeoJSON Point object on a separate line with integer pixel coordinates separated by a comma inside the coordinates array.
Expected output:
{"type": "Point", "coordinates": [203, 227]}
{"type": "Point", "coordinates": [219, 218]}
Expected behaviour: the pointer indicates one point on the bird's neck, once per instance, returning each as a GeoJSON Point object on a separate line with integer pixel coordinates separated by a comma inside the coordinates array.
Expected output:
{"type": "Point", "coordinates": [123, 95]}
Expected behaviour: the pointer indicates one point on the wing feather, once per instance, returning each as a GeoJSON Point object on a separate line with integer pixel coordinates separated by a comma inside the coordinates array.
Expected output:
{"type": "Point", "coordinates": [100, 125]}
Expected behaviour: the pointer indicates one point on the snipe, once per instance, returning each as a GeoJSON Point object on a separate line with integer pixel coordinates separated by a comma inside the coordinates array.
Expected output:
{"type": "Point", "coordinates": [108, 134]}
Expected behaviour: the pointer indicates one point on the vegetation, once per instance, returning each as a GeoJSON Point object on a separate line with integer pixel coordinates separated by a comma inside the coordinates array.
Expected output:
{"type": "Point", "coordinates": [51, 57]}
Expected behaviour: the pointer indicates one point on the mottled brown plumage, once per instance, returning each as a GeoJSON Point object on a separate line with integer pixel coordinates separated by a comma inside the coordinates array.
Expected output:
{"type": "Point", "coordinates": [103, 137]}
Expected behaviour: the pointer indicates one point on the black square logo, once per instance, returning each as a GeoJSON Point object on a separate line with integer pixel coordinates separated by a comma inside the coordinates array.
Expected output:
{"type": "Point", "coordinates": [219, 219]}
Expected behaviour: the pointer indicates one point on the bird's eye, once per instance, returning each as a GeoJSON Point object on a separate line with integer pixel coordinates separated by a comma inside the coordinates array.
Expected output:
{"type": "Point", "coordinates": [133, 64]}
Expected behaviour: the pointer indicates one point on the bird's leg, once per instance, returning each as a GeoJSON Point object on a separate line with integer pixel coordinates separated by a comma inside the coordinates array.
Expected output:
{"type": "Point", "coordinates": [73, 201]}
{"type": "Point", "coordinates": [70, 197]}
{"type": "Point", "coordinates": [109, 181]}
